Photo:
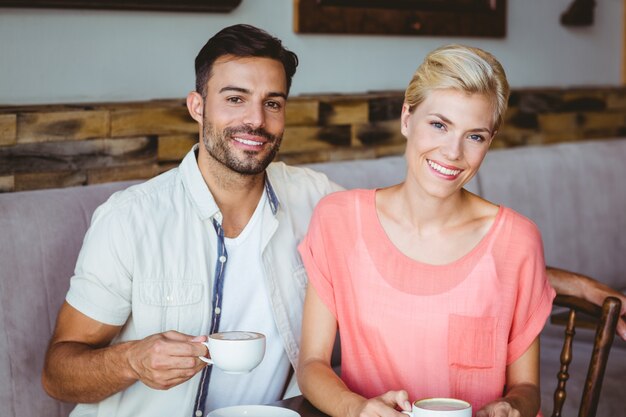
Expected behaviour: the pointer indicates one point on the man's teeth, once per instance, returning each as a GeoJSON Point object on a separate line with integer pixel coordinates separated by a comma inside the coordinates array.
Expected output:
{"type": "Point", "coordinates": [248, 142]}
{"type": "Point", "coordinates": [443, 170]}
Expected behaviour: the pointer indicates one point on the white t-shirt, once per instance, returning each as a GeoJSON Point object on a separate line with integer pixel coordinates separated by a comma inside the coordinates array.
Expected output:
{"type": "Point", "coordinates": [246, 306]}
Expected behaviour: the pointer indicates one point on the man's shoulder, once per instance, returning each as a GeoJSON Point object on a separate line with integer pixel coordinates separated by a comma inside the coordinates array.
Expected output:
{"type": "Point", "coordinates": [285, 177]}
{"type": "Point", "coordinates": [153, 191]}
{"type": "Point", "coordinates": [294, 174]}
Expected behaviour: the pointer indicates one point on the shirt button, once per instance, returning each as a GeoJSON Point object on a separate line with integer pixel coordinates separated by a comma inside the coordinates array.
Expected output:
{"type": "Point", "coordinates": [198, 413]}
{"type": "Point", "coordinates": [222, 259]}
{"type": "Point", "coordinates": [218, 310]}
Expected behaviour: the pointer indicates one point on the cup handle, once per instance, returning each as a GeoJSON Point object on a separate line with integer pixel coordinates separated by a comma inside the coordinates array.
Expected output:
{"type": "Point", "coordinates": [204, 358]}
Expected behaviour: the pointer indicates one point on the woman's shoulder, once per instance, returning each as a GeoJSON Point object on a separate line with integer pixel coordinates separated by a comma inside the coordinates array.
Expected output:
{"type": "Point", "coordinates": [339, 213]}
{"type": "Point", "coordinates": [346, 199]}
{"type": "Point", "coordinates": [505, 218]}
{"type": "Point", "coordinates": [519, 225]}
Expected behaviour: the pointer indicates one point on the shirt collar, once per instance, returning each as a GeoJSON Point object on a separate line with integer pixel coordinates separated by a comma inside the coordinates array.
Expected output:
{"type": "Point", "coordinates": [200, 195]}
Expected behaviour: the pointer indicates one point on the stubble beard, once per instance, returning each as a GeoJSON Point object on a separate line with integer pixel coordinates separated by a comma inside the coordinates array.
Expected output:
{"type": "Point", "coordinates": [216, 144]}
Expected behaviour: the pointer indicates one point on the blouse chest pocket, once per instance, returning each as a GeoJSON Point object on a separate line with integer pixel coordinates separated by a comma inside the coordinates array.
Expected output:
{"type": "Point", "coordinates": [472, 358]}
{"type": "Point", "coordinates": [170, 305]}
{"type": "Point", "coordinates": [471, 341]}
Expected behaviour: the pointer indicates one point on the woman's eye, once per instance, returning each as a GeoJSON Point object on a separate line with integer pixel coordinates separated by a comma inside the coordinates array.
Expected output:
{"type": "Point", "coordinates": [477, 138]}
{"type": "Point", "coordinates": [437, 125]}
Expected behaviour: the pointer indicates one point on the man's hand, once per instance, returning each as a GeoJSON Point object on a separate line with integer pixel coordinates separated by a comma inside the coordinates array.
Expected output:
{"type": "Point", "coordinates": [164, 360]}
{"type": "Point", "coordinates": [82, 366]}
{"type": "Point", "coordinates": [596, 293]}
{"type": "Point", "coordinates": [570, 283]}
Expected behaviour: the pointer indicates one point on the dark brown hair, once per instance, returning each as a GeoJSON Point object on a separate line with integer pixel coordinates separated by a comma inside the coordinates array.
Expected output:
{"type": "Point", "coordinates": [242, 41]}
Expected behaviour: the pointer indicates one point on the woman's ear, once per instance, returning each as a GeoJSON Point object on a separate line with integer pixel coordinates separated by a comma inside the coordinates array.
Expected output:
{"type": "Point", "coordinates": [404, 119]}
{"type": "Point", "coordinates": [195, 106]}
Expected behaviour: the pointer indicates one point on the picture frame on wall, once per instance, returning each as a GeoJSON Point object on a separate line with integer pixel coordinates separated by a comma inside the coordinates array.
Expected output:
{"type": "Point", "coordinates": [468, 18]}
{"type": "Point", "coordinates": [213, 6]}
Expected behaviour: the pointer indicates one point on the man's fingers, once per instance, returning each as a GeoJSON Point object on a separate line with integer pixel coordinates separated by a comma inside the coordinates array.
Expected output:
{"type": "Point", "coordinates": [183, 362]}
{"type": "Point", "coordinates": [168, 378]}
{"type": "Point", "coordinates": [174, 335]}
{"type": "Point", "coordinates": [181, 337]}
{"type": "Point", "coordinates": [621, 328]}
{"type": "Point", "coordinates": [165, 385]}
{"type": "Point", "coordinates": [171, 347]}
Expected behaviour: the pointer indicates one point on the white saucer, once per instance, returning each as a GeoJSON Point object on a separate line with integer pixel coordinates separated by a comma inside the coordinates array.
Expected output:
{"type": "Point", "coordinates": [253, 411]}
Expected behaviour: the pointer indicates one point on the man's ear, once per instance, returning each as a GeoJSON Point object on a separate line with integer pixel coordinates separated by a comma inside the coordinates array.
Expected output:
{"type": "Point", "coordinates": [195, 106]}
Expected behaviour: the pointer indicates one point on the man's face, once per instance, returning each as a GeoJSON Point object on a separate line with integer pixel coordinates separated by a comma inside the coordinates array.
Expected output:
{"type": "Point", "coordinates": [244, 112]}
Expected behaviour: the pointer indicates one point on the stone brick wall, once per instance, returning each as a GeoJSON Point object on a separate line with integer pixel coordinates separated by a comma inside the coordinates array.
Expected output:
{"type": "Point", "coordinates": [70, 145]}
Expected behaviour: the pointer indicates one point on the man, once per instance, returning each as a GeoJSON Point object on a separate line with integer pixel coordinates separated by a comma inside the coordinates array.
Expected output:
{"type": "Point", "coordinates": [205, 247]}
{"type": "Point", "coordinates": [208, 246]}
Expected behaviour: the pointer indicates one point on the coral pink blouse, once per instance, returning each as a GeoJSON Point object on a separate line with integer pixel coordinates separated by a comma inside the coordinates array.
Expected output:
{"type": "Point", "coordinates": [435, 331]}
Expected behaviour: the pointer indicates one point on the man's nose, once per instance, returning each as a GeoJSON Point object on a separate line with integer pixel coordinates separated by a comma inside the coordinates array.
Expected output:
{"type": "Point", "coordinates": [255, 116]}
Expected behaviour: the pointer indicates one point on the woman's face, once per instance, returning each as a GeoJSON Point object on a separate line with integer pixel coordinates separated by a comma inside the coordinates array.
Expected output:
{"type": "Point", "coordinates": [448, 135]}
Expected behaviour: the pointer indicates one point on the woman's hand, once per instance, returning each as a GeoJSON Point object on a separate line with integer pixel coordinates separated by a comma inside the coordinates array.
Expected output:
{"type": "Point", "coordinates": [498, 408]}
{"type": "Point", "coordinates": [384, 405]}
{"type": "Point", "coordinates": [522, 397]}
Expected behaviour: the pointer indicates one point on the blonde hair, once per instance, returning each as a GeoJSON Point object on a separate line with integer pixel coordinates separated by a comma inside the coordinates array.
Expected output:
{"type": "Point", "coordinates": [462, 68]}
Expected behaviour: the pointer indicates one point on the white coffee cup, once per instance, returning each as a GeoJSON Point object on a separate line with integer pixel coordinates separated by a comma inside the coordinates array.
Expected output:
{"type": "Point", "coordinates": [236, 352]}
{"type": "Point", "coordinates": [440, 407]}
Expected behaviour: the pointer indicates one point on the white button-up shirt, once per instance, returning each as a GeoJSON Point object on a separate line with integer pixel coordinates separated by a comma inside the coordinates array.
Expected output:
{"type": "Point", "coordinates": [148, 260]}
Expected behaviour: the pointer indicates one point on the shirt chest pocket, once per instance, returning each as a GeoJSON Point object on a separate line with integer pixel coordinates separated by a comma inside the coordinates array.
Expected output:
{"type": "Point", "coordinates": [299, 274]}
{"type": "Point", "coordinates": [171, 305]}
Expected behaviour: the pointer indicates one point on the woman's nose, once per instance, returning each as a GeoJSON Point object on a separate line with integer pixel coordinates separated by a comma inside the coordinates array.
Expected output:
{"type": "Point", "coordinates": [453, 149]}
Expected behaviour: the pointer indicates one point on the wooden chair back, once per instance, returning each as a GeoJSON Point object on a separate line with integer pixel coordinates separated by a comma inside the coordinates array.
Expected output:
{"type": "Point", "coordinates": [605, 319]}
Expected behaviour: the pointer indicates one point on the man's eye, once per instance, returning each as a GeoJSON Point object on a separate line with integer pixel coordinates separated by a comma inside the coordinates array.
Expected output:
{"type": "Point", "coordinates": [273, 105]}
{"type": "Point", "coordinates": [234, 100]}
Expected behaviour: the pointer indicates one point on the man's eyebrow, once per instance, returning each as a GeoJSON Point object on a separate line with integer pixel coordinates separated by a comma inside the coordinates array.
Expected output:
{"type": "Point", "coordinates": [277, 94]}
{"type": "Point", "coordinates": [233, 88]}
{"type": "Point", "coordinates": [246, 91]}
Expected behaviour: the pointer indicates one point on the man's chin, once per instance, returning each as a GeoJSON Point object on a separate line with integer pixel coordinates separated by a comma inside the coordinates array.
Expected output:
{"type": "Point", "coordinates": [253, 164]}
{"type": "Point", "coordinates": [250, 168]}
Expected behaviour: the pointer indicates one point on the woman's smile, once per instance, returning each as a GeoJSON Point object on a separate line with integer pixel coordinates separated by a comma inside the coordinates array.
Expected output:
{"type": "Point", "coordinates": [445, 171]}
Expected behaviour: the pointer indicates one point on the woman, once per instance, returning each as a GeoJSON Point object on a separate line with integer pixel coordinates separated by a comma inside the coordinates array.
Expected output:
{"type": "Point", "coordinates": [437, 292]}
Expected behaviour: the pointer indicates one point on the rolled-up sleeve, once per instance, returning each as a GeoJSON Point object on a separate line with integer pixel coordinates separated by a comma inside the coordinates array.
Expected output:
{"type": "Point", "coordinates": [534, 298]}
{"type": "Point", "coordinates": [101, 286]}
{"type": "Point", "coordinates": [315, 258]}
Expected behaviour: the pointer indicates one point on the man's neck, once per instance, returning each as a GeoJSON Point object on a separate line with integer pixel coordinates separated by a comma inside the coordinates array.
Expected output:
{"type": "Point", "coordinates": [236, 195]}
